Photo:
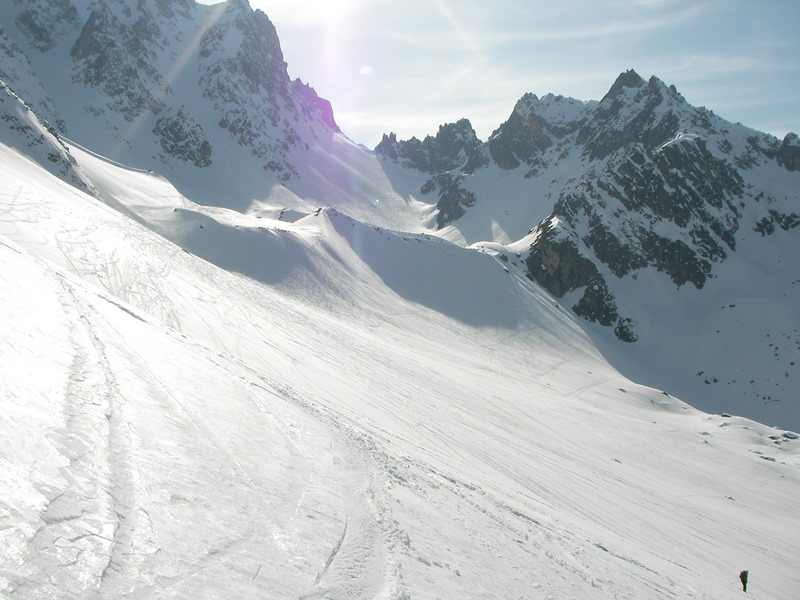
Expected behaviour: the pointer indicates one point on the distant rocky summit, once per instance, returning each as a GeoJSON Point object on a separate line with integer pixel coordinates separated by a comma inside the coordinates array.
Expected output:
{"type": "Point", "coordinates": [651, 182]}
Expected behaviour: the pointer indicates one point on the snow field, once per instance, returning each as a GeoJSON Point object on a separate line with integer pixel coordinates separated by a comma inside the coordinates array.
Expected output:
{"type": "Point", "coordinates": [315, 421]}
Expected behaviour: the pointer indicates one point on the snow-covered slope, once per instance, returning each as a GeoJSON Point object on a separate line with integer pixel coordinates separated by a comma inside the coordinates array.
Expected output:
{"type": "Point", "coordinates": [302, 413]}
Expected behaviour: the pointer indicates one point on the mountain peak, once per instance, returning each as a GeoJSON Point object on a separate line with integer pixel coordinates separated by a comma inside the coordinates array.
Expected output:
{"type": "Point", "coordinates": [527, 99]}
{"type": "Point", "coordinates": [628, 79]}
{"type": "Point", "coordinates": [454, 147]}
{"type": "Point", "coordinates": [238, 5]}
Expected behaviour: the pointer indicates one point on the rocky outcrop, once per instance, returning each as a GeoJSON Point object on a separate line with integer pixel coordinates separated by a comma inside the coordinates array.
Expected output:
{"type": "Point", "coordinates": [454, 200]}
{"type": "Point", "coordinates": [532, 130]}
{"type": "Point", "coordinates": [777, 220]}
{"type": "Point", "coordinates": [313, 107]}
{"type": "Point", "coordinates": [181, 137]}
{"type": "Point", "coordinates": [449, 156]}
{"type": "Point", "coordinates": [21, 128]}
{"type": "Point", "coordinates": [455, 147]}
{"type": "Point", "coordinates": [788, 155]}
{"type": "Point", "coordinates": [529, 132]}
{"type": "Point", "coordinates": [44, 27]}
{"type": "Point", "coordinates": [115, 59]}
{"type": "Point", "coordinates": [556, 263]}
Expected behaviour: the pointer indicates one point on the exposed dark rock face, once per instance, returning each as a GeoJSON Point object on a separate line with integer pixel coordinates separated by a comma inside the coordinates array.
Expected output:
{"type": "Point", "coordinates": [182, 138]}
{"type": "Point", "coordinates": [20, 127]}
{"type": "Point", "coordinates": [171, 9]}
{"type": "Point", "coordinates": [530, 132]}
{"type": "Point", "coordinates": [115, 59]}
{"type": "Point", "coordinates": [454, 152]}
{"type": "Point", "coordinates": [18, 73]}
{"type": "Point", "coordinates": [622, 207]}
{"type": "Point", "coordinates": [453, 199]}
{"type": "Point", "coordinates": [454, 148]}
{"type": "Point", "coordinates": [769, 224]}
{"type": "Point", "coordinates": [44, 27]}
{"type": "Point", "coordinates": [314, 107]}
{"type": "Point", "coordinates": [597, 304]}
{"type": "Point", "coordinates": [260, 107]}
{"type": "Point", "coordinates": [558, 266]}
{"type": "Point", "coordinates": [523, 137]}
{"type": "Point", "coordinates": [632, 112]}
{"type": "Point", "coordinates": [510, 149]}
{"type": "Point", "coordinates": [789, 153]}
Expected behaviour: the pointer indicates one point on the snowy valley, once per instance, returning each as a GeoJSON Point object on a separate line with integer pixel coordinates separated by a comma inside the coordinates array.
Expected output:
{"type": "Point", "coordinates": [244, 357]}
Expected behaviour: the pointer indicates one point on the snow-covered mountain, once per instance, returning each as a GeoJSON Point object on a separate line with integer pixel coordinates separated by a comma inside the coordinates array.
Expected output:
{"type": "Point", "coordinates": [189, 90]}
{"type": "Point", "coordinates": [244, 357]}
{"type": "Point", "coordinates": [639, 180]}
{"type": "Point", "coordinates": [645, 215]}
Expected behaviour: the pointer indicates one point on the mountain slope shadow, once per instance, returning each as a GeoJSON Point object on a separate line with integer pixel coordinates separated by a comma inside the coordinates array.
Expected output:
{"type": "Point", "coordinates": [462, 284]}
{"type": "Point", "coordinates": [271, 256]}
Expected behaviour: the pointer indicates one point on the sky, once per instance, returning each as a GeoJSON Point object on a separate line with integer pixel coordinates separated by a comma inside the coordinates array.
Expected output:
{"type": "Point", "coordinates": [408, 66]}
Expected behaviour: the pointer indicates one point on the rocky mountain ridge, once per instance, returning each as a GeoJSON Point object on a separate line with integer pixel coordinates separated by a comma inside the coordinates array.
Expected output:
{"type": "Point", "coordinates": [654, 183]}
{"type": "Point", "coordinates": [19, 125]}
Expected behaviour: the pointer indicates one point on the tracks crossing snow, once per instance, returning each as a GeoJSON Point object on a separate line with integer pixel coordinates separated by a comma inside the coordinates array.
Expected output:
{"type": "Point", "coordinates": [85, 526]}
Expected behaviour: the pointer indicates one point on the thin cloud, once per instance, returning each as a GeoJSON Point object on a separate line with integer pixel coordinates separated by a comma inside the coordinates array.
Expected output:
{"type": "Point", "coordinates": [468, 39]}
{"type": "Point", "coordinates": [608, 27]}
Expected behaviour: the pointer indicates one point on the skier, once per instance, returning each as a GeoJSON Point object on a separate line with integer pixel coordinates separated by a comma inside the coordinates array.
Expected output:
{"type": "Point", "coordinates": [743, 579]}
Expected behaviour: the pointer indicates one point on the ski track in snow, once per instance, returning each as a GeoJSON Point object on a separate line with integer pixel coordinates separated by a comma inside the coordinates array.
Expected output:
{"type": "Point", "coordinates": [355, 566]}
{"type": "Point", "coordinates": [96, 537]}
{"type": "Point", "coordinates": [192, 467]}
{"type": "Point", "coordinates": [87, 523]}
{"type": "Point", "coordinates": [358, 566]}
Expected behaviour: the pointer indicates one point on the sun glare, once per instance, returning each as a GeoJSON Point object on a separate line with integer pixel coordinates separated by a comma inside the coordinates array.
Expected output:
{"type": "Point", "coordinates": [308, 11]}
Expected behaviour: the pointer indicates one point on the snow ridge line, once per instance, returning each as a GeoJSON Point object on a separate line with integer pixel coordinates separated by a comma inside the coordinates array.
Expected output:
{"type": "Point", "coordinates": [103, 158]}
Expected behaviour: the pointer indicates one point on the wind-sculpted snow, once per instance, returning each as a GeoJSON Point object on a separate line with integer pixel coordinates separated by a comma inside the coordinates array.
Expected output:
{"type": "Point", "coordinates": [173, 429]}
{"type": "Point", "coordinates": [429, 272]}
